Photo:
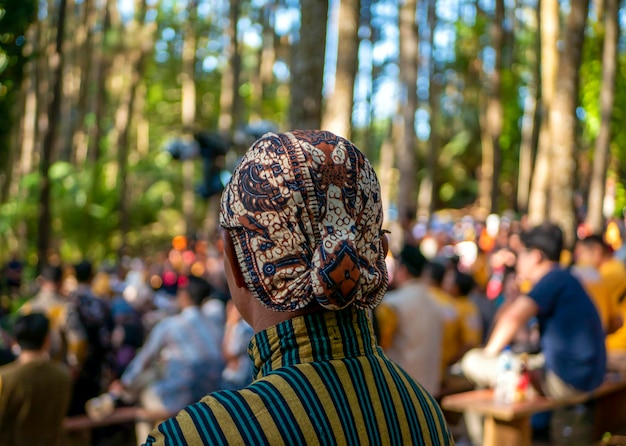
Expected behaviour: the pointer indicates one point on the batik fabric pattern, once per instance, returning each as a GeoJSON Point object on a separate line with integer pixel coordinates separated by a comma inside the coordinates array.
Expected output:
{"type": "Point", "coordinates": [304, 213]}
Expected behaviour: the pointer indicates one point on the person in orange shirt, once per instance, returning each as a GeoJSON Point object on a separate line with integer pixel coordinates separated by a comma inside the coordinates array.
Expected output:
{"type": "Point", "coordinates": [604, 278]}
{"type": "Point", "coordinates": [596, 251]}
{"type": "Point", "coordinates": [460, 285]}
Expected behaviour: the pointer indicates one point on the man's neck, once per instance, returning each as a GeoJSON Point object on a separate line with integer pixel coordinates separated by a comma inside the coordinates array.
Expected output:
{"type": "Point", "coordinates": [33, 355]}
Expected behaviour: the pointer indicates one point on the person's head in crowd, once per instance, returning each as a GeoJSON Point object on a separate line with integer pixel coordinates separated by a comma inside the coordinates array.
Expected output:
{"type": "Point", "coordinates": [83, 271]}
{"type": "Point", "coordinates": [434, 272]}
{"type": "Point", "coordinates": [192, 291]}
{"type": "Point", "coordinates": [541, 251]}
{"type": "Point", "coordinates": [457, 283]}
{"type": "Point", "coordinates": [51, 277]}
{"type": "Point", "coordinates": [410, 264]}
{"type": "Point", "coordinates": [592, 251]}
{"type": "Point", "coordinates": [31, 332]}
{"type": "Point", "coordinates": [101, 285]}
{"type": "Point", "coordinates": [301, 222]}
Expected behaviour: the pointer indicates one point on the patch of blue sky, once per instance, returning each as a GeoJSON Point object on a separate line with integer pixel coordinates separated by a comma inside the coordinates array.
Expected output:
{"type": "Point", "coordinates": [286, 20]}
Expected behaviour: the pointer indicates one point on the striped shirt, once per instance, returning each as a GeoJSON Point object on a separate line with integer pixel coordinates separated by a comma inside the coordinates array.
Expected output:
{"type": "Point", "coordinates": [319, 379]}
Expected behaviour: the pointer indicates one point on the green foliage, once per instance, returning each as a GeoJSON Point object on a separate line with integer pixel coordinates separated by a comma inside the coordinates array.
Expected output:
{"type": "Point", "coordinates": [590, 88]}
{"type": "Point", "coordinates": [15, 18]}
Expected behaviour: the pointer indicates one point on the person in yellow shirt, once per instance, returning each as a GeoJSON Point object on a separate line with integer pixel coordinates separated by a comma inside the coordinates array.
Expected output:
{"type": "Point", "coordinates": [604, 278]}
{"type": "Point", "coordinates": [460, 285]}
{"type": "Point", "coordinates": [67, 333]}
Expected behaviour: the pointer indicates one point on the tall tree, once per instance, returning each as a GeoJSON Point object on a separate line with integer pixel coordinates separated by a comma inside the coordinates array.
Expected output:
{"type": "Point", "coordinates": [188, 112]}
{"type": "Point", "coordinates": [85, 37]}
{"type": "Point", "coordinates": [338, 113]}
{"type": "Point", "coordinates": [492, 118]}
{"type": "Point", "coordinates": [407, 163]}
{"type": "Point", "coordinates": [549, 30]}
{"type": "Point", "coordinates": [607, 99]}
{"type": "Point", "coordinates": [307, 66]}
{"type": "Point", "coordinates": [229, 96]}
{"type": "Point", "coordinates": [563, 121]}
{"type": "Point", "coordinates": [140, 35]}
{"type": "Point", "coordinates": [531, 121]}
{"type": "Point", "coordinates": [54, 109]}
{"type": "Point", "coordinates": [14, 22]}
{"type": "Point", "coordinates": [102, 58]}
{"type": "Point", "coordinates": [428, 189]}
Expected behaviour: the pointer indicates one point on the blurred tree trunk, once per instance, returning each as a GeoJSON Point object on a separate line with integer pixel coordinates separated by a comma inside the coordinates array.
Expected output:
{"type": "Point", "coordinates": [529, 136]}
{"type": "Point", "coordinates": [102, 60]}
{"type": "Point", "coordinates": [607, 98]}
{"type": "Point", "coordinates": [54, 108]}
{"type": "Point", "coordinates": [229, 96]}
{"type": "Point", "coordinates": [29, 118]}
{"type": "Point", "coordinates": [85, 43]}
{"type": "Point", "coordinates": [68, 94]}
{"type": "Point", "coordinates": [264, 75]}
{"type": "Point", "coordinates": [307, 66]}
{"type": "Point", "coordinates": [407, 163]}
{"type": "Point", "coordinates": [563, 122]}
{"type": "Point", "coordinates": [492, 118]}
{"type": "Point", "coordinates": [337, 116]}
{"type": "Point", "coordinates": [188, 80]}
{"type": "Point", "coordinates": [531, 121]}
{"type": "Point", "coordinates": [428, 191]}
{"type": "Point", "coordinates": [549, 30]}
{"type": "Point", "coordinates": [141, 41]}
{"type": "Point", "coordinates": [365, 41]}
{"type": "Point", "coordinates": [385, 167]}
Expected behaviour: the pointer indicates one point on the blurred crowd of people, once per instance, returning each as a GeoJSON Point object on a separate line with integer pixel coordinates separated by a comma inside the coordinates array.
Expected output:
{"type": "Point", "coordinates": [463, 291]}
{"type": "Point", "coordinates": [161, 332]}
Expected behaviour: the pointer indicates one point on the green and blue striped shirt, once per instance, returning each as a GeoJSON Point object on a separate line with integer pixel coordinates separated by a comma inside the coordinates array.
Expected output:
{"type": "Point", "coordinates": [319, 379]}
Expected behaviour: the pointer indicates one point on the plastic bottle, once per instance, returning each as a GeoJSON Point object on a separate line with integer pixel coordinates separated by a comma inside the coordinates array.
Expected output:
{"type": "Point", "coordinates": [507, 378]}
{"type": "Point", "coordinates": [523, 387]}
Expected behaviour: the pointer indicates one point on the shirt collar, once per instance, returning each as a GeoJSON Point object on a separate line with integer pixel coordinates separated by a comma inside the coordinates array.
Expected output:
{"type": "Point", "coordinates": [312, 337]}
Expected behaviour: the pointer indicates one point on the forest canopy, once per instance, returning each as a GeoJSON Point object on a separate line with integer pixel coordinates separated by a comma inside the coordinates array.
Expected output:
{"type": "Point", "coordinates": [120, 120]}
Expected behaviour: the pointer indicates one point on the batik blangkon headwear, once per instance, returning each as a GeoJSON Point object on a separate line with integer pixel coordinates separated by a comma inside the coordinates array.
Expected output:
{"type": "Point", "coordinates": [304, 212]}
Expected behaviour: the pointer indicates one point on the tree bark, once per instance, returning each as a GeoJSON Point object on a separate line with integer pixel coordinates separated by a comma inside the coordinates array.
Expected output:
{"type": "Point", "coordinates": [64, 149]}
{"type": "Point", "coordinates": [407, 162]}
{"type": "Point", "coordinates": [188, 78]}
{"type": "Point", "coordinates": [54, 108]}
{"type": "Point", "coordinates": [338, 114]}
{"type": "Point", "coordinates": [102, 59]}
{"type": "Point", "coordinates": [307, 66]}
{"type": "Point", "coordinates": [85, 35]}
{"type": "Point", "coordinates": [595, 216]}
{"type": "Point", "coordinates": [548, 20]}
{"type": "Point", "coordinates": [229, 96]}
{"type": "Point", "coordinates": [491, 124]}
{"type": "Point", "coordinates": [136, 60]}
{"type": "Point", "coordinates": [563, 122]}
{"type": "Point", "coordinates": [428, 190]}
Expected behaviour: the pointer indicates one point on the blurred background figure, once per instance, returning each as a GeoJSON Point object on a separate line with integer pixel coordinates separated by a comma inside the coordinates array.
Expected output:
{"type": "Point", "coordinates": [238, 366]}
{"type": "Point", "coordinates": [181, 360]}
{"type": "Point", "coordinates": [34, 391]}
{"type": "Point", "coordinates": [411, 322]}
{"type": "Point", "coordinates": [68, 340]}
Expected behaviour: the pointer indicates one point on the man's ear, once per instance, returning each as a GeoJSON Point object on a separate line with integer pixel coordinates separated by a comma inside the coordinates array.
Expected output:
{"type": "Point", "coordinates": [231, 258]}
{"type": "Point", "coordinates": [385, 244]}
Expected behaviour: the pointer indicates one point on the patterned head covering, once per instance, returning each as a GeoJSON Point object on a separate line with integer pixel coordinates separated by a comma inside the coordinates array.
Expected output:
{"type": "Point", "coordinates": [304, 213]}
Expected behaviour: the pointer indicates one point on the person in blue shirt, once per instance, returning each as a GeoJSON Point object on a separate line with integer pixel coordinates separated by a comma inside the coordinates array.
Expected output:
{"type": "Point", "coordinates": [181, 360]}
{"type": "Point", "coordinates": [573, 356]}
